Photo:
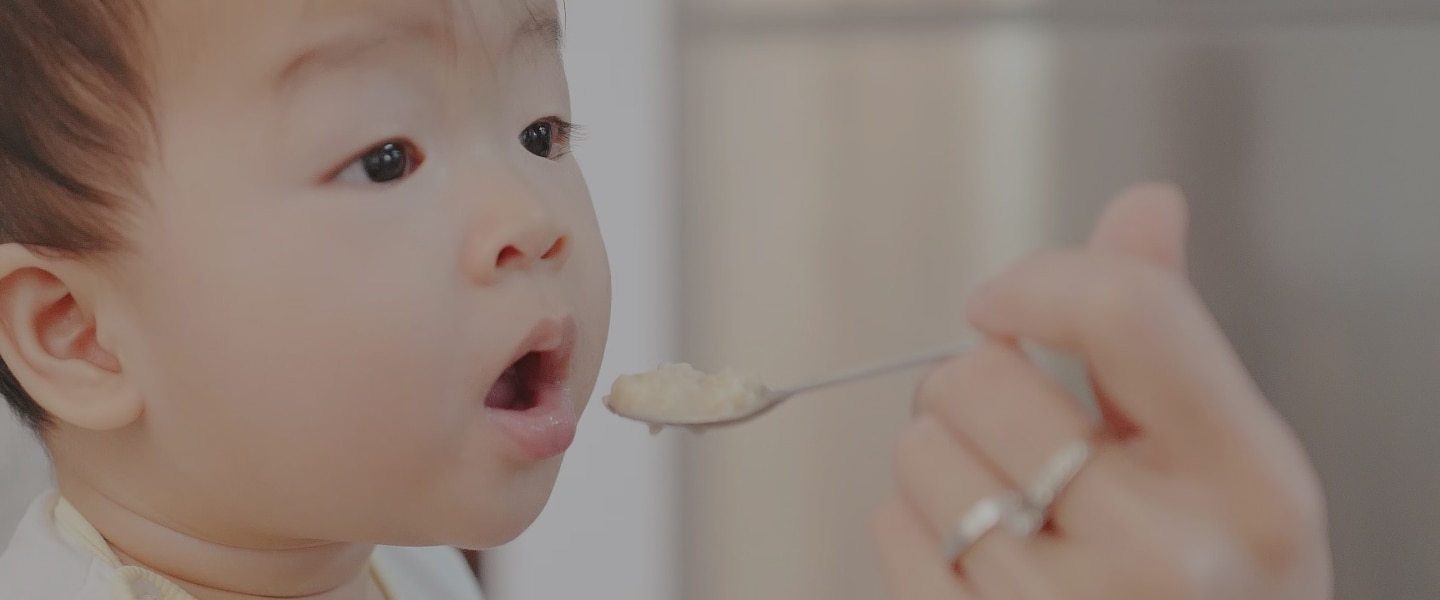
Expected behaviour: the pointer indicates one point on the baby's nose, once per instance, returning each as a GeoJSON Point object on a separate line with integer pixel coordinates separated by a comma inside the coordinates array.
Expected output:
{"type": "Point", "coordinates": [519, 243]}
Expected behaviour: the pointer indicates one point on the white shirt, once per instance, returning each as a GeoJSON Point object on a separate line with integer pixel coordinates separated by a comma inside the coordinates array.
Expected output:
{"type": "Point", "coordinates": [56, 555]}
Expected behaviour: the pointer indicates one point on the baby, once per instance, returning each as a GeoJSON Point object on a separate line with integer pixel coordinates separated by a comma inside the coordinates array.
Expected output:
{"type": "Point", "coordinates": [290, 289]}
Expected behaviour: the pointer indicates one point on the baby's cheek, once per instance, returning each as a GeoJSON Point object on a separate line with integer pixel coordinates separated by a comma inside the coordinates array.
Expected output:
{"type": "Point", "coordinates": [326, 384]}
{"type": "Point", "coordinates": [589, 286]}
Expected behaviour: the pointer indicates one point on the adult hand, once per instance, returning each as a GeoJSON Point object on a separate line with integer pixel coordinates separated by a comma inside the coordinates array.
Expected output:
{"type": "Point", "coordinates": [1194, 487]}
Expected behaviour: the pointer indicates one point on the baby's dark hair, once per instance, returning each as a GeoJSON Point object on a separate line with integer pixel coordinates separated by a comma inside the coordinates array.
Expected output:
{"type": "Point", "coordinates": [74, 123]}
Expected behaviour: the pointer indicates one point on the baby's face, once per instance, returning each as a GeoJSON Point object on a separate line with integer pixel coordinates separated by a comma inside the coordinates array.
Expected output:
{"type": "Point", "coordinates": [367, 297]}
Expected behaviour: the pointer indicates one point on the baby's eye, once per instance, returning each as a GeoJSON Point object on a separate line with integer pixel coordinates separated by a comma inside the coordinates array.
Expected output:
{"type": "Point", "coordinates": [384, 163]}
{"type": "Point", "coordinates": [548, 137]}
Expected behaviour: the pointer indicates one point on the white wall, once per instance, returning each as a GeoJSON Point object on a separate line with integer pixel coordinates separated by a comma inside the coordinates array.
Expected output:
{"type": "Point", "coordinates": [24, 471]}
{"type": "Point", "coordinates": [611, 529]}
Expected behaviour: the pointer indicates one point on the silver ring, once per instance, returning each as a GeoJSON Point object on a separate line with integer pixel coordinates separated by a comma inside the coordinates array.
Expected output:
{"type": "Point", "coordinates": [1006, 508]}
{"type": "Point", "coordinates": [1056, 476]}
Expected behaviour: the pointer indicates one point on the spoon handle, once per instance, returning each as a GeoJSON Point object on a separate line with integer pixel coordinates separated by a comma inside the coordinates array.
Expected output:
{"type": "Point", "coordinates": [916, 360]}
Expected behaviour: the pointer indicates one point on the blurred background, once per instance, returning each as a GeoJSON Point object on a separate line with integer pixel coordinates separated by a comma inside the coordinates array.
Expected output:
{"type": "Point", "coordinates": [792, 186]}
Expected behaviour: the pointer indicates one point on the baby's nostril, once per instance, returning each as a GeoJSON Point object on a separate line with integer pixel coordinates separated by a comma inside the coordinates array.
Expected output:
{"type": "Point", "coordinates": [557, 249]}
{"type": "Point", "coordinates": [508, 255]}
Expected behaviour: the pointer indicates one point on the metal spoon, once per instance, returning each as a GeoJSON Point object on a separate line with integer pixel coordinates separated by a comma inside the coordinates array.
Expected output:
{"type": "Point", "coordinates": [768, 398]}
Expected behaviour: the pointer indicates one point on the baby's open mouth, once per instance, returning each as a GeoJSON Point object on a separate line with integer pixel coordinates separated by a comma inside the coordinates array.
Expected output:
{"type": "Point", "coordinates": [538, 373]}
{"type": "Point", "coordinates": [519, 386]}
{"type": "Point", "coordinates": [529, 403]}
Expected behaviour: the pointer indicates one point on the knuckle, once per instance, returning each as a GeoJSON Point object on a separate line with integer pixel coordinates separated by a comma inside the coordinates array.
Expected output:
{"type": "Point", "coordinates": [1205, 558]}
{"type": "Point", "coordinates": [1203, 554]}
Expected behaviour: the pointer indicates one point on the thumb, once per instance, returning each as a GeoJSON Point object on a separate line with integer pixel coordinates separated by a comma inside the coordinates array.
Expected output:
{"type": "Point", "coordinates": [1148, 223]}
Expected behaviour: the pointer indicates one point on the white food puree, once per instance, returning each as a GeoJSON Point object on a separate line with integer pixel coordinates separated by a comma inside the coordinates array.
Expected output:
{"type": "Point", "coordinates": [680, 393]}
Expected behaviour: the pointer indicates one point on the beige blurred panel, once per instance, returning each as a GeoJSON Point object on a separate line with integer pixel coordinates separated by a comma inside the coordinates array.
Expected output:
{"type": "Point", "coordinates": [844, 9]}
{"type": "Point", "coordinates": [833, 217]}
{"type": "Point", "coordinates": [714, 16]}
{"type": "Point", "coordinates": [709, 8]}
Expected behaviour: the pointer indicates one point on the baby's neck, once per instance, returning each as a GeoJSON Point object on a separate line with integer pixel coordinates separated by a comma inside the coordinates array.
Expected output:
{"type": "Point", "coordinates": [212, 570]}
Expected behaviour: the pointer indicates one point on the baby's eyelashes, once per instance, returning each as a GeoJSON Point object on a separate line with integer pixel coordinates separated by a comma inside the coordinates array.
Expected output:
{"type": "Point", "coordinates": [549, 137]}
{"type": "Point", "coordinates": [386, 162]}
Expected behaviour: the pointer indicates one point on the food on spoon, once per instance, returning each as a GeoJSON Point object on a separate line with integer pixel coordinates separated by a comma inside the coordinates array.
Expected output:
{"type": "Point", "coordinates": [681, 394]}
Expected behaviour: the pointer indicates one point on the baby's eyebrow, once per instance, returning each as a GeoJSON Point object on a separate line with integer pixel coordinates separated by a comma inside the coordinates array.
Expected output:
{"type": "Point", "coordinates": [352, 47]}
{"type": "Point", "coordinates": [547, 30]}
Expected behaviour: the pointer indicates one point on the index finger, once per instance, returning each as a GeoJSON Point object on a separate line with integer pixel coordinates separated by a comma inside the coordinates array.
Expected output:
{"type": "Point", "coordinates": [1154, 351]}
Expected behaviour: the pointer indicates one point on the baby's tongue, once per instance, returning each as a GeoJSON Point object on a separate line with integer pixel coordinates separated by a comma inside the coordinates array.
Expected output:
{"type": "Point", "coordinates": [503, 395]}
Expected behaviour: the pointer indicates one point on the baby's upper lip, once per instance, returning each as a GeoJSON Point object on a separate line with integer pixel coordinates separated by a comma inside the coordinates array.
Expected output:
{"type": "Point", "coordinates": [554, 339]}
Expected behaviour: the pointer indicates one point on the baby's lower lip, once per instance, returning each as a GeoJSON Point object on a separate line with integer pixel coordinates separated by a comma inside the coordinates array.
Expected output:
{"type": "Point", "coordinates": [543, 431]}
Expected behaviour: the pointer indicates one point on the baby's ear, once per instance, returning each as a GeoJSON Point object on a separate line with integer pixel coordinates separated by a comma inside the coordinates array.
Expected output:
{"type": "Point", "coordinates": [48, 340]}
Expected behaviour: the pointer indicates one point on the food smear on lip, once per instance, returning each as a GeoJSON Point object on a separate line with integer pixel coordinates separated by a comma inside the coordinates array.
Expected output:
{"type": "Point", "coordinates": [681, 394]}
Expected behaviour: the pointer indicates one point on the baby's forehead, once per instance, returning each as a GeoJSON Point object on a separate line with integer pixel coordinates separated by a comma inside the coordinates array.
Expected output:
{"type": "Point", "coordinates": [190, 29]}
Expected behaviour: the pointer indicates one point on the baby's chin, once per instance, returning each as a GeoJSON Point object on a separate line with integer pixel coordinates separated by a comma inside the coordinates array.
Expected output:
{"type": "Point", "coordinates": [502, 515]}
